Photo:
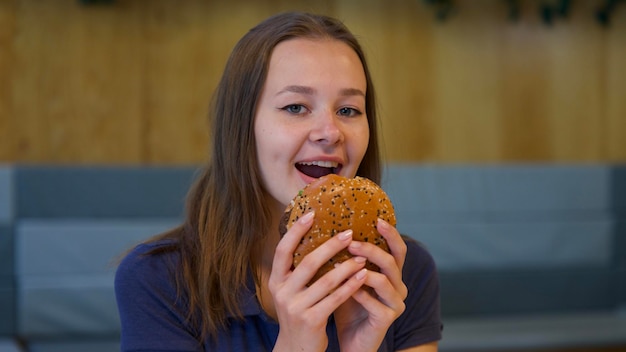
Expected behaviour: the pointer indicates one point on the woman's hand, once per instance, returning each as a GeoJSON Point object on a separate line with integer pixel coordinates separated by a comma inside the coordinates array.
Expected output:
{"type": "Point", "coordinates": [363, 321]}
{"type": "Point", "coordinates": [303, 311]}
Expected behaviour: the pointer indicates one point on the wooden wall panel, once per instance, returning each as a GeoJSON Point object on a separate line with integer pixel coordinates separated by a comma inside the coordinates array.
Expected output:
{"type": "Point", "coordinates": [615, 91]}
{"type": "Point", "coordinates": [524, 89]}
{"type": "Point", "coordinates": [577, 90]}
{"type": "Point", "coordinates": [130, 82]}
{"type": "Point", "coordinates": [7, 33]}
{"type": "Point", "coordinates": [467, 85]}
{"type": "Point", "coordinates": [75, 85]}
{"type": "Point", "coordinates": [181, 58]}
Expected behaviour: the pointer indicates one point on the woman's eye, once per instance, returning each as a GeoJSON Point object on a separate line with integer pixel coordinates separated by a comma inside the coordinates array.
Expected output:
{"type": "Point", "coordinates": [294, 108]}
{"type": "Point", "coordinates": [349, 112]}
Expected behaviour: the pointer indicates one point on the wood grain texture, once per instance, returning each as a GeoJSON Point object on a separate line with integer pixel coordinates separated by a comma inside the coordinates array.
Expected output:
{"type": "Point", "coordinates": [130, 82]}
{"type": "Point", "coordinates": [7, 33]}
{"type": "Point", "coordinates": [615, 90]}
{"type": "Point", "coordinates": [75, 85]}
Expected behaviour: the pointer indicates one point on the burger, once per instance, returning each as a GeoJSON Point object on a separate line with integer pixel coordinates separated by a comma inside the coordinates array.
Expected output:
{"type": "Point", "coordinates": [339, 204]}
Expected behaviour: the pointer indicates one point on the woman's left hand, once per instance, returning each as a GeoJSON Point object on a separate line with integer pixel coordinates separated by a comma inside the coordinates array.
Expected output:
{"type": "Point", "coordinates": [363, 320]}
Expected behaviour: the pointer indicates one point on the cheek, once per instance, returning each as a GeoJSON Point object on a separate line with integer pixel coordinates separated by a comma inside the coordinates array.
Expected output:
{"type": "Point", "coordinates": [261, 136]}
{"type": "Point", "coordinates": [265, 157]}
{"type": "Point", "coordinates": [268, 142]}
{"type": "Point", "coordinates": [262, 132]}
{"type": "Point", "coordinates": [360, 141]}
{"type": "Point", "coordinates": [264, 146]}
{"type": "Point", "coordinates": [273, 150]}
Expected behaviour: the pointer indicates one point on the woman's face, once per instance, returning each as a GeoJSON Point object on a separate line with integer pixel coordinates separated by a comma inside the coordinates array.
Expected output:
{"type": "Point", "coordinates": [310, 118]}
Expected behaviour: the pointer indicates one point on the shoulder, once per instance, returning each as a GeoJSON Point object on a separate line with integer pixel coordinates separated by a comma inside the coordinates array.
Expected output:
{"type": "Point", "coordinates": [417, 256]}
{"type": "Point", "coordinates": [150, 253]}
{"type": "Point", "coordinates": [421, 321]}
{"type": "Point", "coordinates": [420, 275]}
{"type": "Point", "coordinates": [153, 310]}
{"type": "Point", "coordinates": [148, 264]}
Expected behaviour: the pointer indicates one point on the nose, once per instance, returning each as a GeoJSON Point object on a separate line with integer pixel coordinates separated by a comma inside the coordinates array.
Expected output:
{"type": "Point", "coordinates": [327, 129]}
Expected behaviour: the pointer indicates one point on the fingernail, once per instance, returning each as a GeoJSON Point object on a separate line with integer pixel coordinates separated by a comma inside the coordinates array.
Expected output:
{"type": "Point", "coordinates": [355, 244]}
{"type": "Point", "coordinates": [307, 218]}
{"type": "Point", "coordinates": [383, 224]}
{"type": "Point", "coordinates": [361, 274]}
{"type": "Point", "coordinates": [345, 235]}
{"type": "Point", "coordinates": [360, 259]}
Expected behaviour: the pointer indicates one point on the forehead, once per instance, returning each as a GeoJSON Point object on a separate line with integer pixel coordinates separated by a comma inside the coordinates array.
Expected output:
{"type": "Point", "coordinates": [316, 58]}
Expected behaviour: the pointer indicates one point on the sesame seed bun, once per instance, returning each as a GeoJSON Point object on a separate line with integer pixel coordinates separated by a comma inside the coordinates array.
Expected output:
{"type": "Point", "coordinates": [340, 204]}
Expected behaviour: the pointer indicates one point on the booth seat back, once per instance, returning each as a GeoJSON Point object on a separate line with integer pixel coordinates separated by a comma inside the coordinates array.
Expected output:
{"type": "Point", "coordinates": [518, 239]}
{"type": "Point", "coordinates": [7, 267]}
{"type": "Point", "coordinates": [63, 231]}
{"type": "Point", "coordinates": [508, 240]}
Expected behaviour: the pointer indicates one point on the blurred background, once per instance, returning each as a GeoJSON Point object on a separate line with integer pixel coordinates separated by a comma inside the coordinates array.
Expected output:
{"type": "Point", "coordinates": [503, 128]}
{"type": "Point", "coordinates": [128, 82]}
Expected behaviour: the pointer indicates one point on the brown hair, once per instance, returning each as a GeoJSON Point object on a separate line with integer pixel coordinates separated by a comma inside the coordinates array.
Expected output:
{"type": "Point", "coordinates": [228, 214]}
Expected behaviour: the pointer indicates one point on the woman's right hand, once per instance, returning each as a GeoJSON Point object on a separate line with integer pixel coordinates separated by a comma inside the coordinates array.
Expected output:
{"type": "Point", "coordinates": [303, 311]}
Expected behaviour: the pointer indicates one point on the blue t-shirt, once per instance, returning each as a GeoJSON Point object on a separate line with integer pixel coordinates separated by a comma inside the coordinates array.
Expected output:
{"type": "Point", "coordinates": [153, 315]}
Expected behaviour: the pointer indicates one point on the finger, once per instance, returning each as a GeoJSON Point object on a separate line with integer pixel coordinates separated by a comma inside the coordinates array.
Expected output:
{"type": "Point", "coordinates": [339, 284]}
{"type": "Point", "coordinates": [386, 296]}
{"type": "Point", "coordinates": [334, 281]}
{"type": "Point", "coordinates": [394, 241]}
{"type": "Point", "coordinates": [380, 314]}
{"type": "Point", "coordinates": [311, 263]}
{"type": "Point", "coordinates": [283, 255]}
{"type": "Point", "coordinates": [387, 293]}
{"type": "Point", "coordinates": [343, 292]}
{"type": "Point", "coordinates": [385, 261]}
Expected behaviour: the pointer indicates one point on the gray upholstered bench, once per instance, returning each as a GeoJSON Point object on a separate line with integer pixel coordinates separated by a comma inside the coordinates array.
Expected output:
{"type": "Point", "coordinates": [529, 255]}
{"type": "Point", "coordinates": [66, 229]}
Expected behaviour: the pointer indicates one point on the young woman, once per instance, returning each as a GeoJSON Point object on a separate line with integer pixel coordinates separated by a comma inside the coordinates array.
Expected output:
{"type": "Point", "coordinates": [295, 102]}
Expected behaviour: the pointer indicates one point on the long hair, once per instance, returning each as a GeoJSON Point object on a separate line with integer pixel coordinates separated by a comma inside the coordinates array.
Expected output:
{"type": "Point", "coordinates": [228, 212]}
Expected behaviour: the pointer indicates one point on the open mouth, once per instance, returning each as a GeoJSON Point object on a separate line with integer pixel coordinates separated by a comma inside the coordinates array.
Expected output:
{"type": "Point", "coordinates": [318, 169]}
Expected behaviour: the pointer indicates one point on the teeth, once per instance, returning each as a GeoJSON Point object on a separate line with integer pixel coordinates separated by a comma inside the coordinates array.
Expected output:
{"type": "Point", "coordinates": [322, 163]}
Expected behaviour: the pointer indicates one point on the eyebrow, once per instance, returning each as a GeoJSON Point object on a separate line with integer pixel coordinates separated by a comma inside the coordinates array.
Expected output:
{"type": "Point", "coordinates": [310, 91]}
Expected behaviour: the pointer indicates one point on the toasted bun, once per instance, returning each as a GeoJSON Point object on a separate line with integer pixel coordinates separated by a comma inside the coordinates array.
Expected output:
{"type": "Point", "coordinates": [340, 204]}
